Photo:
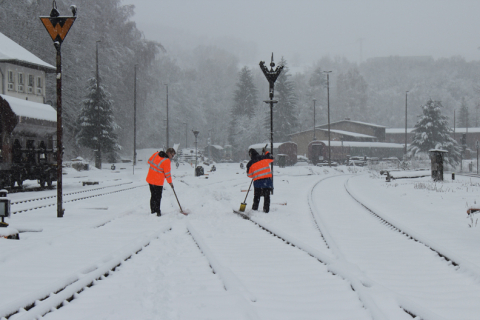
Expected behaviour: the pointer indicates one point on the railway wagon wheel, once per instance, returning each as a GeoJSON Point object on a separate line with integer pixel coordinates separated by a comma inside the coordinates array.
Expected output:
{"type": "Point", "coordinates": [11, 181]}
{"type": "Point", "coordinates": [49, 181]}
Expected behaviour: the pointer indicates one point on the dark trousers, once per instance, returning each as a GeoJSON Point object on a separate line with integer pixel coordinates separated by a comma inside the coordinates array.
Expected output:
{"type": "Point", "coordinates": [155, 198]}
{"type": "Point", "coordinates": [259, 192]}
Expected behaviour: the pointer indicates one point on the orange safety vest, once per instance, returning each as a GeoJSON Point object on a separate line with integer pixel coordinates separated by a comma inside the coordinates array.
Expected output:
{"type": "Point", "coordinates": [260, 169]}
{"type": "Point", "coordinates": [159, 170]}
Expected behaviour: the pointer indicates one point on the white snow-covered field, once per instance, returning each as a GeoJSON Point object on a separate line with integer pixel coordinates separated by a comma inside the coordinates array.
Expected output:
{"type": "Point", "coordinates": [318, 254]}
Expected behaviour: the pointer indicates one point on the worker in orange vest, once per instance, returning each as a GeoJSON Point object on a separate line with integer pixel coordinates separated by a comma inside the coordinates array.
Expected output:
{"type": "Point", "coordinates": [160, 169]}
{"type": "Point", "coordinates": [259, 170]}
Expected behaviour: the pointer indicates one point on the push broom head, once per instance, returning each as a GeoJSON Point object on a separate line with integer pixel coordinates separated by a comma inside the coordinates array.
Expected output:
{"type": "Point", "coordinates": [243, 205]}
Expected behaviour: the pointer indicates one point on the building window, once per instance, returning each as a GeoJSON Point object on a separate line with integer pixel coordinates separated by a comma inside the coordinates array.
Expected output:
{"type": "Point", "coordinates": [31, 80]}
{"type": "Point", "coordinates": [21, 80]}
{"type": "Point", "coordinates": [39, 82]}
{"type": "Point", "coordinates": [11, 77]}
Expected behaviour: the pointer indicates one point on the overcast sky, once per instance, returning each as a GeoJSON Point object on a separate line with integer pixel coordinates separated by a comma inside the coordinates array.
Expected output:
{"type": "Point", "coordinates": [304, 30]}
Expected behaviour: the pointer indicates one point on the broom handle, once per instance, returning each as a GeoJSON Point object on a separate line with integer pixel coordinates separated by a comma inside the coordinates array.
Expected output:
{"type": "Point", "coordinates": [177, 199]}
{"type": "Point", "coordinates": [248, 191]}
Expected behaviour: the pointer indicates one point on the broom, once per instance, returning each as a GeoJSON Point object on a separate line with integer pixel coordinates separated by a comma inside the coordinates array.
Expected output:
{"type": "Point", "coordinates": [243, 205]}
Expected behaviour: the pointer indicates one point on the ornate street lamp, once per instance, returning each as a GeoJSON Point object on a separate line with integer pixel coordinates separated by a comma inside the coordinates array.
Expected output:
{"type": "Point", "coordinates": [58, 28]}
{"type": "Point", "coordinates": [166, 85]}
{"type": "Point", "coordinates": [271, 76]}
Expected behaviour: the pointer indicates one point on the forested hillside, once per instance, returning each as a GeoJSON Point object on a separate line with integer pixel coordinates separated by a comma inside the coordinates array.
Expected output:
{"type": "Point", "coordinates": [202, 82]}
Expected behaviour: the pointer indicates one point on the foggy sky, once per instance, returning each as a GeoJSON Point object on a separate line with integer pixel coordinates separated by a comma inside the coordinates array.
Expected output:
{"type": "Point", "coordinates": [304, 30]}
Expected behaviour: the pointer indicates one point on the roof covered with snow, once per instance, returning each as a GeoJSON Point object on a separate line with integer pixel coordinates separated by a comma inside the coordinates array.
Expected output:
{"type": "Point", "coordinates": [410, 130]}
{"type": "Point", "coordinates": [351, 134]}
{"type": "Point", "coordinates": [352, 121]}
{"type": "Point", "coordinates": [29, 109]}
{"type": "Point", "coordinates": [398, 130]}
{"type": "Point", "coordinates": [12, 52]}
{"type": "Point", "coordinates": [363, 144]}
{"type": "Point", "coordinates": [262, 145]}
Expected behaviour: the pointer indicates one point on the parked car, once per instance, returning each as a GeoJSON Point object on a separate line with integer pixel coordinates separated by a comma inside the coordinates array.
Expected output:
{"type": "Point", "coordinates": [357, 161]}
{"type": "Point", "coordinates": [324, 163]}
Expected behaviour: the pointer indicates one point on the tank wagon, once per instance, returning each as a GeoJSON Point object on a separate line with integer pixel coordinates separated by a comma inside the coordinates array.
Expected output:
{"type": "Point", "coordinates": [28, 150]}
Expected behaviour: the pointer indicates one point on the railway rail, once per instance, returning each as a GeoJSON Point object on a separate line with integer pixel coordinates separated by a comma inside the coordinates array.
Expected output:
{"type": "Point", "coordinates": [61, 295]}
{"type": "Point", "coordinates": [40, 205]}
{"type": "Point", "coordinates": [386, 250]}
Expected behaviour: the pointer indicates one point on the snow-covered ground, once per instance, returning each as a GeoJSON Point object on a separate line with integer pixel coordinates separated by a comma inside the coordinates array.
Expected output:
{"type": "Point", "coordinates": [318, 254]}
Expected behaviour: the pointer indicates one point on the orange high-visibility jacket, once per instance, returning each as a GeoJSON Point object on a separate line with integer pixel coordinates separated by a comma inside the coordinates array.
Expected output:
{"type": "Point", "coordinates": [159, 169]}
{"type": "Point", "coordinates": [260, 169]}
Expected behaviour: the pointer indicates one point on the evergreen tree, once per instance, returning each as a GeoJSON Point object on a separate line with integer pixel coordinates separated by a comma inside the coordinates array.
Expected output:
{"type": "Point", "coordinates": [463, 120]}
{"type": "Point", "coordinates": [352, 95]}
{"type": "Point", "coordinates": [285, 111]}
{"type": "Point", "coordinates": [243, 110]}
{"type": "Point", "coordinates": [96, 123]}
{"type": "Point", "coordinates": [245, 98]}
{"type": "Point", "coordinates": [433, 132]}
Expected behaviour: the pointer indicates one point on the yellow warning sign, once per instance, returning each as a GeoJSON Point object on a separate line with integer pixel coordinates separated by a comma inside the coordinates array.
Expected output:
{"type": "Point", "coordinates": [58, 27]}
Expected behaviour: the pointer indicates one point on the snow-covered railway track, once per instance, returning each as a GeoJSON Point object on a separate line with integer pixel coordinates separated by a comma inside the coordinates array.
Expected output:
{"type": "Point", "coordinates": [265, 266]}
{"type": "Point", "coordinates": [397, 262]}
{"type": "Point", "coordinates": [44, 202]}
{"type": "Point", "coordinates": [358, 283]}
{"type": "Point", "coordinates": [58, 295]}
{"type": "Point", "coordinates": [451, 257]}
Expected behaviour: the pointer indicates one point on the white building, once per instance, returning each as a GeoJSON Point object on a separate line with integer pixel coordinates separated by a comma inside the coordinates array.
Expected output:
{"type": "Point", "coordinates": [22, 74]}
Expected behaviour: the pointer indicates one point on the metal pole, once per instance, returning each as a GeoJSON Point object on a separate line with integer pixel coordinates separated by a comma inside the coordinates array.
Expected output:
{"type": "Point", "coordinates": [454, 138]}
{"type": "Point", "coordinates": [405, 151]}
{"type": "Point", "coordinates": [328, 112]}
{"type": "Point", "coordinates": [477, 145]}
{"type": "Point", "coordinates": [98, 157]}
{"type": "Point", "coordinates": [314, 136]}
{"type": "Point", "coordinates": [135, 119]}
{"type": "Point", "coordinates": [60, 210]}
{"type": "Point", "coordinates": [185, 134]}
{"type": "Point", "coordinates": [167, 117]}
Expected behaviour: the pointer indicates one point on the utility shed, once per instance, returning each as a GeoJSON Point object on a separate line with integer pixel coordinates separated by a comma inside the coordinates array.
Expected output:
{"type": "Point", "coordinates": [436, 157]}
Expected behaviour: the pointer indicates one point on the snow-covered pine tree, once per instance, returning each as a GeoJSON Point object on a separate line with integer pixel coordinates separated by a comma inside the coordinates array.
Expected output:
{"type": "Point", "coordinates": [96, 123]}
{"type": "Point", "coordinates": [352, 95]}
{"type": "Point", "coordinates": [463, 120]}
{"type": "Point", "coordinates": [243, 109]}
{"type": "Point", "coordinates": [433, 132]}
{"type": "Point", "coordinates": [285, 111]}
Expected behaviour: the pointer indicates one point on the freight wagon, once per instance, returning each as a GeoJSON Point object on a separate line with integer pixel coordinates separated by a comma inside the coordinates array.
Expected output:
{"type": "Point", "coordinates": [341, 151]}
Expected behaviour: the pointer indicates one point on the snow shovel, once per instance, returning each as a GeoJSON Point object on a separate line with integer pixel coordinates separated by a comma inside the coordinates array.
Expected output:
{"type": "Point", "coordinates": [181, 210]}
{"type": "Point", "coordinates": [243, 205]}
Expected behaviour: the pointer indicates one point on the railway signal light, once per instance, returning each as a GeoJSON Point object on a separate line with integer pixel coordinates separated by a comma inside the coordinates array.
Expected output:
{"type": "Point", "coordinates": [57, 27]}
{"type": "Point", "coordinates": [4, 207]}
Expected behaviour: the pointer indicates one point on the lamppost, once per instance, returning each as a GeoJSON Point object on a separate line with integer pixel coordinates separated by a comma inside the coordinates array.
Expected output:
{"type": "Point", "coordinates": [454, 120]}
{"type": "Point", "coordinates": [195, 133]}
{"type": "Point", "coordinates": [166, 85]}
{"type": "Point", "coordinates": [185, 134]}
{"type": "Point", "coordinates": [478, 146]}
{"type": "Point", "coordinates": [98, 153]}
{"type": "Point", "coordinates": [135, 118]}
{"type": "Point", "coordinates": [314, 137]}
{"type": "Point", "coordinates": [165, 123]}
{"type": "Point", "coordinates": [271, 76]}
{"type": "Point", "coordinates": [405, 151]}
{"type": "Point", "coordinates": [328, 113]}
{"type": "Point", "coordinates": [58, 28]}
